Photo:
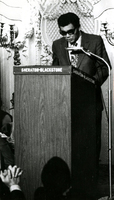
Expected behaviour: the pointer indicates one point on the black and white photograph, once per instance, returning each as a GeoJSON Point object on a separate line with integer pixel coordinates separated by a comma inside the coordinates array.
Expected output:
{"type": "Point", "coordinates": [56, 100]}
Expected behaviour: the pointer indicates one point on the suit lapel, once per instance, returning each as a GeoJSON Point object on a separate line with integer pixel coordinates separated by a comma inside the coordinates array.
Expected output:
{"type": "Point", "coordinates": [85, 44]}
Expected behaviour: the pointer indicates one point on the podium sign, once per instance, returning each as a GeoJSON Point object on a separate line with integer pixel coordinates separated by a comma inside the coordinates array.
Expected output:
{"type": "Point", "coordinates": [54, 115]}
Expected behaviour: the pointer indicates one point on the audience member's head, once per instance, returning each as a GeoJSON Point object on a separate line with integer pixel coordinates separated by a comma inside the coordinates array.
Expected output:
{"type": "Point", "coordinates": [56, 176]}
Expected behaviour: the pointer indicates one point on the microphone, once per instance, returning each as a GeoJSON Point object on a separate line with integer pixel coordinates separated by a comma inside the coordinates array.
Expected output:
{"type": "Point", "coordinates": [74, 48]}
{"type": "Point", "coordinates": [79, 50]}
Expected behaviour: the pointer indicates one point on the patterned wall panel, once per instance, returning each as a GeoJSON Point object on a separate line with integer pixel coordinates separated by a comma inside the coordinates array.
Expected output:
{"type": "Point", "coordinates": [51, 27]}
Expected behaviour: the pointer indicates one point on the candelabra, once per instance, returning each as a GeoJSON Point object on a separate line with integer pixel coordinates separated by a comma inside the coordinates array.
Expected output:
{"type": "Point", "coordinates": [108, 33]}
{"type": "Point", "coordinates": [8, 37]}
{"type": "Point", "coordinates": [8, 33]}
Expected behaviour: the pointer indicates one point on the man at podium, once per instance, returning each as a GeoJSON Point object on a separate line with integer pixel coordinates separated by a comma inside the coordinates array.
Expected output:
{"type": "Point", "coordinates": [72, 36]}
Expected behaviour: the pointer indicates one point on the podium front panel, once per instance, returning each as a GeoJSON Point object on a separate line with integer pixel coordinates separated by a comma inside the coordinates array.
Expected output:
{"type": "Point", "coordinates": [42, 124]}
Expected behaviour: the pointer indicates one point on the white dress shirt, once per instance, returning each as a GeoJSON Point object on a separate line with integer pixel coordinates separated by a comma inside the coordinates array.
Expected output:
{"type": "Point", "coordinates": [74, 57]}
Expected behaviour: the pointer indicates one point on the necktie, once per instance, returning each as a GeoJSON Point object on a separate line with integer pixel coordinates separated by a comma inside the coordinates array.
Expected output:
{"type": "Point", "coordinates": [74, 58]}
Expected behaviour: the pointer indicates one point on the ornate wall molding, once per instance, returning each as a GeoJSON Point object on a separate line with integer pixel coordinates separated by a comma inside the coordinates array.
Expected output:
{"type": "Point", "coordinates": [51, 10]}
{"type": "Point", "coordinates": [35, 21]}
{"type": "Point", "coordinates": [9, 13]}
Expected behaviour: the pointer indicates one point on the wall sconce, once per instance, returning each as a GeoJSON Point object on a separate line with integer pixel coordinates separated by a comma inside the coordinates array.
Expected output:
{"type": "Point", "coordinates": [108, 33]}
{"type": "Point", "coordinates": [8, 33]}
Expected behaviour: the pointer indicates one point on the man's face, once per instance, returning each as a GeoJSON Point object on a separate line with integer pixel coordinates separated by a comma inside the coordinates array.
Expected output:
{"type": "Point", "coordinates": [70, 33]}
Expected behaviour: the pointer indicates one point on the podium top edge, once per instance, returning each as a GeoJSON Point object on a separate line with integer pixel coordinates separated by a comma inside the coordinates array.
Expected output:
{"type": "Point", "coordinates": [41, 69]}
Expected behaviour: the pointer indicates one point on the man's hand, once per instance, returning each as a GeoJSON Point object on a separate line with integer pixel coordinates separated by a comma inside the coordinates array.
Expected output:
{"type": "Point", "coordinates": [11, 176]}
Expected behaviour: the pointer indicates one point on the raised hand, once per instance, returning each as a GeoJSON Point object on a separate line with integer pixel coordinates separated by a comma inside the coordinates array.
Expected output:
{"type": "Point", "coordinates": [11, 176]}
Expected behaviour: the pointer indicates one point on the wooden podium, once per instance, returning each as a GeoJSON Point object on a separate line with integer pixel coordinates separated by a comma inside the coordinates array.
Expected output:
{"type": "Point", "coordinates": [54, 115]}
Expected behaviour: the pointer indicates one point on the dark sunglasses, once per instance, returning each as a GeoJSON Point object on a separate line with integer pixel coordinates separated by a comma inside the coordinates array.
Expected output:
{"type": "Point", "coordinates": [70, 32]}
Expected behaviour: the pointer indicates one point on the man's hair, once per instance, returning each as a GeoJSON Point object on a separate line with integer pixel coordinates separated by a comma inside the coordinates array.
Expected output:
{"type": "Point", "coordinates": [69, 18]}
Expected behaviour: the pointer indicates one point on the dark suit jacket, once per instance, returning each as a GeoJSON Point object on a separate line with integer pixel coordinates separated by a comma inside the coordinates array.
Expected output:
{"type": "Point", "coordinates": [91, 66]}
{"type": "Point", "coordinates": [17, 195]}
{"type": "Point", "coordinates": [95, 44]}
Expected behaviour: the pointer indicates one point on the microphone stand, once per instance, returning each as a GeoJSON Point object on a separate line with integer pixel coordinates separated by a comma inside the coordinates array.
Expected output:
{"type": "Point", "coordinates": [90, 54]}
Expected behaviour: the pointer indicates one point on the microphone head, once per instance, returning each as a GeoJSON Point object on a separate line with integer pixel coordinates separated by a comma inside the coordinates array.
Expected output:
{"type": "Point", "coordinates": [75, 50]}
